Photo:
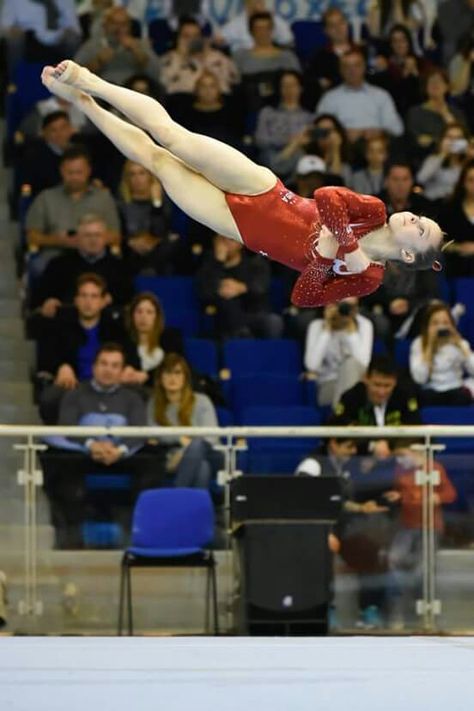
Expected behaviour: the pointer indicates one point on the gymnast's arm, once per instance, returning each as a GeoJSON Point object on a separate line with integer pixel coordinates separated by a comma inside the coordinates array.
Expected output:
{"type": "Point", "coordinates": [317, 286]}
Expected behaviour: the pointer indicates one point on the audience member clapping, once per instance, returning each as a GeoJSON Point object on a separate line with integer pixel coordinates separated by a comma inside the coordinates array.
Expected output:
{"type": "Point", "coordinates": [338, 349]}
{"type": "Point", "coordinates": [235, 284]}
{"type": "Point", "coordinates": [115, 54]}
{"type": "Point", "coordinates": [457, 218]}
{"type": "Point", "coordinates": [280, 134]}
{"type": "Point", "coordinates": [181, 67]}
{"type": "Point", "coordinates": [440, 360]}
{"type": "Point", "coordinates": [192, 462]}
{"type": "Point", "coordinates": [440, 171]}
{"type": "Point", "coordinates": [148, 340]}
{"type": "Point", "coordinates": [56, 286]}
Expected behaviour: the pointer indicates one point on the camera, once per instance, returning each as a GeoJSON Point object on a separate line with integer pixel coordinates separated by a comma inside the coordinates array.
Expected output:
{"type": "Point", "coordinates": [458, 145]}
{"type": "Point", "coordinates": [196, 46]}
{"type": "Point", "coordinates": [344, 309]}
{"type": "Point", "coordinates": [443, 333]}
{"type": "Point", "coordinates": [317, 133]}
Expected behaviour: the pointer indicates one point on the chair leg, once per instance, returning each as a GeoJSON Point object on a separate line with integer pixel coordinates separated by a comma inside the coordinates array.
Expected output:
{"type": "Point", "coordinates": [129, 602]}
{"type": "Point", "coordinates": [121, 598]}
{"type": "Point", "coordinates": [207, 625]}
{"type": "Point", "coordinates": [214, 596]}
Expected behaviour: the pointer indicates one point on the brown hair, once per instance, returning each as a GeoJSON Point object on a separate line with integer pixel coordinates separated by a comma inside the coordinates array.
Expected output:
{"type": "Point", "coordinates": [430, 311]}
{"type": "Point", "coordinates": [155, 334]}
{"type": "Point", "coordinates": [110, 347]}
{"type": "Point", "coordinates": [92, 278]}
{"type": "Point", "coordinates": [185, 410]}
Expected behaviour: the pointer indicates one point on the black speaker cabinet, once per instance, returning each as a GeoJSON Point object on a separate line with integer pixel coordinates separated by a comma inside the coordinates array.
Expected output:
{"type": "Point", "coordinates": [285, 566]}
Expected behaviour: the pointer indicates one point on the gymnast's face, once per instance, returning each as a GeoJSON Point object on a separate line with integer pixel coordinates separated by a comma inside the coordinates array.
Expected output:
{"type": "Point", "coordinates": [414, 234]}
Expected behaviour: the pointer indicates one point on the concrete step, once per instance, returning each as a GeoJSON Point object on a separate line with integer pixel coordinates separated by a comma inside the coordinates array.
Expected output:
{"type": "Point", "coordinates": [12, 537]}
{"type": "Point", "coordinates": [12, 327]}
{"type": "Point", "coordinates": [16, 369]}
{"type": "Point", "coordinates": [21, 413]}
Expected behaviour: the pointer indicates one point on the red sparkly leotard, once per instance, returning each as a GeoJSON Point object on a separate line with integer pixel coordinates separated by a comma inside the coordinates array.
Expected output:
{"type": "Point", "coordinates": [285, 227]}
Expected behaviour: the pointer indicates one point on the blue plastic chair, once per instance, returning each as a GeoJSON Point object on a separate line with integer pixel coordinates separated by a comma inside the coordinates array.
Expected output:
{"type": "Point", "coordinates": [171, 528]}
{"type": "Point", "coordinates": [309, 36]}
{"type": "Point", "coordinates": [249, 356]}
{"type": "Point", "coordinates": [263, 389]}
{"type": "Point", "coordinates": [102, 534]}
{"type": "Point", "coordinates": [201, 353]}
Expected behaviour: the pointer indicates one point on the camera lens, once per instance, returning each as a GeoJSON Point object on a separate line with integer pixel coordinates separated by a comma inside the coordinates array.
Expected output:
{"type": "Point", "coordinates": [344, 309]}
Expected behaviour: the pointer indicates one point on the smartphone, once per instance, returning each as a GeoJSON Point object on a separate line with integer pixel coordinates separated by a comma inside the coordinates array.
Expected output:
{"type": "Point", "coordinates": [443, 333]}
{"type": "Point", "coordinates": [459, 145]}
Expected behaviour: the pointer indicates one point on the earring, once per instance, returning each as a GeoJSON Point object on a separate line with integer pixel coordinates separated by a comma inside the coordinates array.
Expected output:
{"type": "Point", "coordinates": [407, 256]}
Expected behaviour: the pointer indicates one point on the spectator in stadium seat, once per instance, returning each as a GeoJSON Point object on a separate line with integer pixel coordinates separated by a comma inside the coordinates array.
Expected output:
{"type": "Point", "coordinates": [145, 11]}
{"type": "Point", "coordinates": [416, 15]}
{"type": "Point", "coordinates": [378, 400]}
{"type": "Point", "coordinates": [328, 139]}
{"type": "Point", "coordinates": [455, 19]}
{"type": "Point", "coordinates": [398, 69]}
{"type": "Point", "coordinates": [192, 462]}
{"type": "Point", "coordinates": [39, 31]}
{"type": "Point", "coordinates": [181, 67]}
{"type": "Point", "coordinates": [440, 170]}
{"type": "Point", "coordinates": [100, 401]}
{"type": "Point", "coordinates": [236, 33]}
{"type": "Point", "coordinates": [440, 359]}
{"type": "Point", "coordinates": [457, 218]}
{"type": "Point", "coordinates": [68, 343]}
{"type": "Point", "coordinates": [115, 54]}
{"type": "Point", "coordinates": [460, 72]}
{"type": "Point", "coordinates": [338, 349]}
{"type": "Point", "coordinates": [40, 160]}
{"type": "Point", "coordinates": [53, 216]}
{"type": "Point", "coordinates": [280, 131]}
{"type": "Point", "coordinates": [261, 64]}
{"type": "Point", "coordinates": [236, 284]}
{"type": "Point", "coordinates": [324, 66]}
{"type": "Point", "coordinates": [398, 194]}
{"type": "Point", "coordinates": [149, 338]}
{"type": "Point", "coordinates": [212, 113]}
{"type": "Point", "coordinates": [426, 122]}
{"type": "Point", "coordinates": [56, 286]}
{"type": "Point", "coordinates": [370, 180]}
{"type": "Point", "coordinates": [149, 246]}
{"type": "Point", "coordinates": [364, 110]}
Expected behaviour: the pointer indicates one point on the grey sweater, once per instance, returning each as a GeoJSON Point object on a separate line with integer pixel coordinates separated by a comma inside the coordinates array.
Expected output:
{"type": "Point", "coordinates": [203, 415]}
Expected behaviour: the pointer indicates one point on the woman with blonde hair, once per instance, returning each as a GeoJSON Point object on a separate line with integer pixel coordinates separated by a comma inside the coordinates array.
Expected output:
{"type": "Point", "coordinates": [148, 339]}
{"type": "Point", "coordinates": [440, 359]}
{"type": "Point", "coordinates": [192, 461]}
{"type": "Point", "coordinates": [145, 214]}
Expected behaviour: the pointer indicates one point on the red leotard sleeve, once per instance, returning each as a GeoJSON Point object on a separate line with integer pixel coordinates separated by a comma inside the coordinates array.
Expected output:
{"type": "Point", "coordinates": [318, 286]}
{"type": "Point", "coordinates": [340, 207]}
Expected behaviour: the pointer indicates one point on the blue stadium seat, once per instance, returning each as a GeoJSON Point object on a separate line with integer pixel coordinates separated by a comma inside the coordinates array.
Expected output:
{"type": "Point", "coordinates": [451, 416]}
{"type": "Point", "coordinates": [178, 298]}
{"type": "Point", "coordinates": [463, 292]}
{"type": "Point", "coordinates": [278, 294]}
{"type": "Point", "coordinates": [102, 534]}
{"type": "Point", "coordinates": [279, 455]}
{"type": "Point", "coordinates": [246, 356]}
{"type": "Point", "coordinates": [309, 36]}
{"type": "Point", "coordinates": [263, 389]}
{"type": "Point", "coordinates": [201, 353]}
{"type": "Point", "coordinates": [402, 352]}
{"type": "Point", "coordinates": [23, 93]}
{"type": "Point", "coordinates": [224, 417]}
{"type": "Point", "coordinates": [161, 35]}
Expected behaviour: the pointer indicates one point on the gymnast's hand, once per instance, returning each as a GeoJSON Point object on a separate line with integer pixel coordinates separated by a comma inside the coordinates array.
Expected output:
{"type": "Point", "coordinates": [357, 261]}
{"type": "Point", "coordinates": [326, 244]}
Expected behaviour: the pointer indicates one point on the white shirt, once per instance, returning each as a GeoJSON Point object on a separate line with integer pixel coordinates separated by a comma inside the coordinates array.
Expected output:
{"type": "Point", "coordinates": [379, 414]}
{"type": "Point", "coordinates": [325, 350]}
{"type": "Point", "coordinates": [361, 107]}
{"type": "Point", "coordinates": [236, 32]}
{"type": "Point", "coordinates": [448, 369]}
{"type": "Point", "coordinates": [32, 16]}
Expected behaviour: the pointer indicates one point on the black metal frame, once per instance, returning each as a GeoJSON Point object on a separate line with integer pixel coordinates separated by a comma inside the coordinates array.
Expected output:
{"type": "Point", "coordinates": [205, 559]}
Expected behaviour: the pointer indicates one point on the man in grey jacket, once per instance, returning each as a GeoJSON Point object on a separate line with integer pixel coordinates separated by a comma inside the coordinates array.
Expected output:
{"type": "Point", "coordinates": [101, 401]}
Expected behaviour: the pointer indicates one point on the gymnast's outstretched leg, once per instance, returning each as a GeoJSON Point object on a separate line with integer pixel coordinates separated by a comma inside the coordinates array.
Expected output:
{"type": "Point", "coordinates": [222, 165]}
{"type": "Point", "coordinates": [191, 191]}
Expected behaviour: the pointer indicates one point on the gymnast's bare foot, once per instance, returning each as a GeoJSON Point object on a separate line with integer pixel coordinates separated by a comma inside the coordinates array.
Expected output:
{"type": "Point", "coordinates": [69, 93]}
{"type": "Point", "coordinates": [68, 72]}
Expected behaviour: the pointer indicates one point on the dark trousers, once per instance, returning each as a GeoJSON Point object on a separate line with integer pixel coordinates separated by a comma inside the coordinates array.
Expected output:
{"type": "Point", "coordinates": [71, 501]}
{"type": "Point", "coordinates": [449, 398]}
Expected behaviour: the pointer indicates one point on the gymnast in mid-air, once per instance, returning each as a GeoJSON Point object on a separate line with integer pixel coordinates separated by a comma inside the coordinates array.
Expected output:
{"type": "Point", "coordinates": [339, 240]}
